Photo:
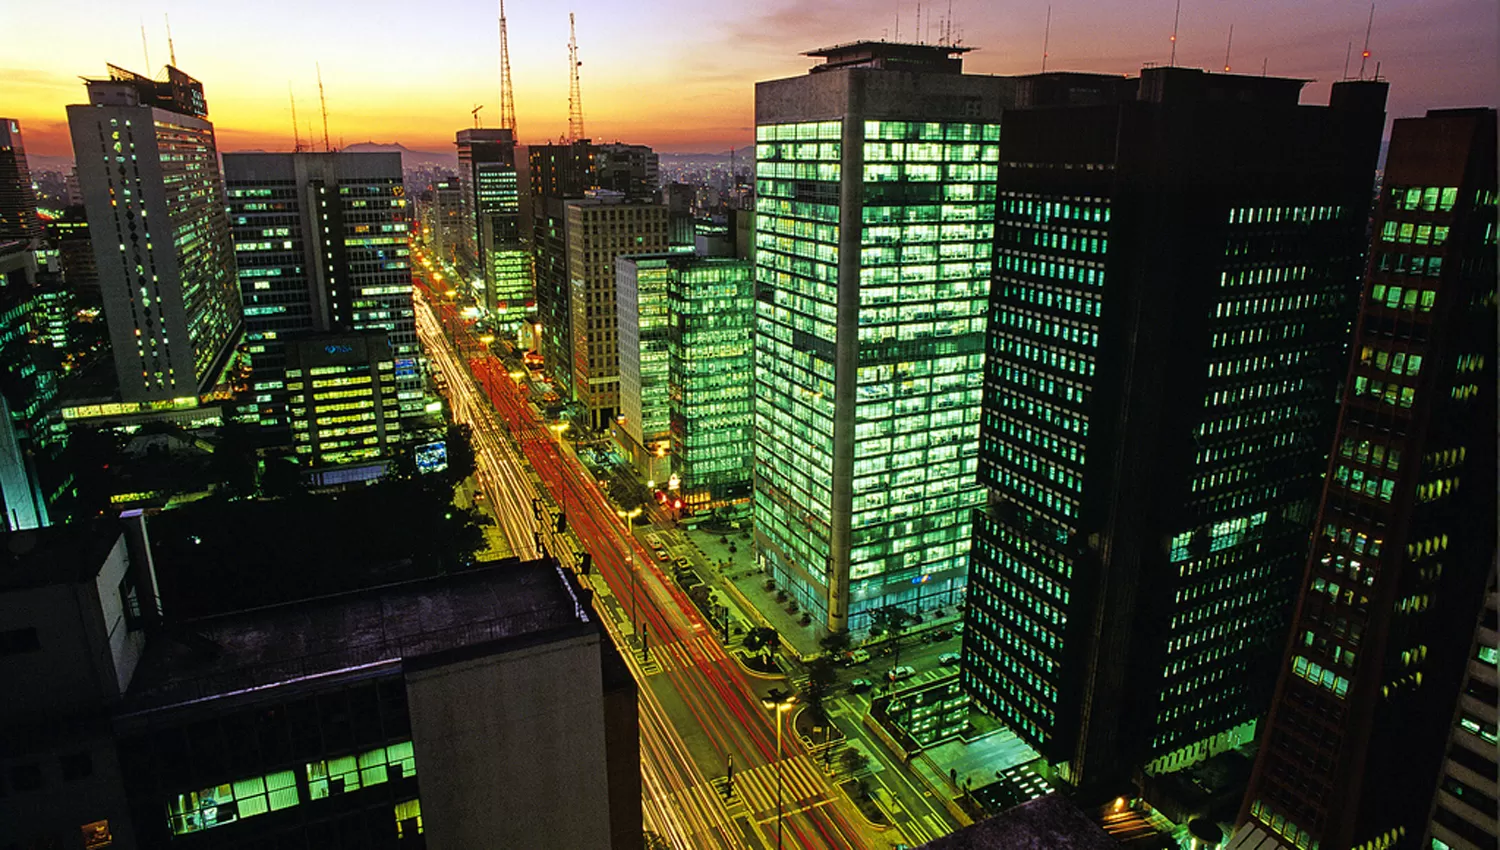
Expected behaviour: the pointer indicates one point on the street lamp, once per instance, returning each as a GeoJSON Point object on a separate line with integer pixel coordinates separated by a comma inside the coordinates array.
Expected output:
{"type": "Point", "coordinates": [779, 702]}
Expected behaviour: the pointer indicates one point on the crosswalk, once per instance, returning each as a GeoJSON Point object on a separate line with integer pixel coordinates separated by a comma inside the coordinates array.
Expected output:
{"type": "Point", "coordinates": [801, 781]}
{"type": "Point", "coordinates": [681, 654]}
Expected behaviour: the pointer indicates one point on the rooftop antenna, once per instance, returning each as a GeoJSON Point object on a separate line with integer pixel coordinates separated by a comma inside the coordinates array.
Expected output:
{"type": "Point", "coordinates": [898, 20]}
{"type": "Point", "coordinates": [324, 102]}
{"type": "Point", "coordinates": [171, 50]}
{"type": "Point", "coordinates": [948, 26]}
{"type": "Point", "coordinates": [1263, 61]}
{"type": "Point", "coordinates": [1364, 57]}
{"type": "Point", "coordinates": [575, 96]}
{"type": "Point", "coordinates": [507, 91]}
{"type": "Point", "coordinates": [1046, 38]}
{"type": "Point", "coordinates": [296, 133]}
{"type": "Point", "coordinates": [1176, 16]}
{"type": "Point", "coordinates": [475, 112]}
{"type": "Point", "coordinates": [1227, 48]}
{"type": "Point", "coordinates": [1348, 51]}
{"type": "Point", "coordinates": [919, 23]}
{"type": "Point", "coordinates": [146, 50]}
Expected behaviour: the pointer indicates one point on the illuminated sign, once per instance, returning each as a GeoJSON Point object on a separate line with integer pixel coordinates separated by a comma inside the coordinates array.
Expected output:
{"type": "Point", "coordinates": [339, 349]}
{"type": "Point", "coordinates": [406, 368]}
{"type": "Point", "coordinates": [431, 457]}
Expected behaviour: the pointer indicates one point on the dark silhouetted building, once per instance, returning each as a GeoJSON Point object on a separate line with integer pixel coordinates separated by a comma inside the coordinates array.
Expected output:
{"type": "Point", "coordinates": [633, 170]}
{"type": "Point", "coordinates": [18, 219]}
{"type": "Point", "coordinates": [1176, 270]}
{"type": "Point", "coordinates": [1404, 538]}
{"type": "Point", "coordinates": [148, 167]}
{"type": "Point", "coordinates": [558, 173]}
{"type": "Point", "coordinates": [874, 233]}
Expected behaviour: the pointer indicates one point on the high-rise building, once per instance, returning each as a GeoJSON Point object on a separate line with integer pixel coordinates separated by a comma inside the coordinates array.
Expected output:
{"type": "Point", "coordinates": [711, 314]}
{"type": "Point", "coordinates": [557, 173]}
{"type": "Point", "coordinates": [1404, 538]}
{"type": "Point", "coordinates": [148, 167]}
{"type": "Point", "coordinates": [644, 424]}
{"type": "Point", "coordinates": [634, 170]}
{"type": "Point", "coordinates": [28, 386]}
{"type": "Point", "coordinates": [18, 218]}
{"type": "Point", "coordinates": [492, 236]}
{"type": "Point", "coordinates": [444, 220]}
{"type": "Point", "coordinates": [600, 228]}
{"type": "Point", "coordinates": [874, 232]}
{"type": "Point", "coordinates": [321, 242]}
{"type": "Point", "coordinates": [341, 399]}
{"type": "Point", "coordinates": [1176, 267]}
{"type": "Point", "coordinates": [1463, 809]}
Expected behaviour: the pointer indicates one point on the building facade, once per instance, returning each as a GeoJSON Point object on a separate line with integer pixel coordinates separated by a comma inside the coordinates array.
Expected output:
{"type": "Point", "coordinates": [1404, 538]}
{"type": "Point", "coordinates": [29, 477]}
{"type": "Point", "coordinates": [148, 168]}
{"type": "Point", "coordinates": [710, 318]}
{"type": "Point", "coordinates": [1177, 265]}
{"type": "Point", "coordinates": [342, 398]}
{"type": "Point", "coordinates": [18, 218]}
{"type": "Point", "coordinates": [632, 170]}
{"type": "Point", "coordinates": [321, 244]}
{"type": "Point", "coordinates": [644, 423]}
{"type": "Point", "coordinates": [600, 228]}
{"type": "Point", "coordinates": [492, 226]}
{"type": "Point", "coordinates": [874, 232]}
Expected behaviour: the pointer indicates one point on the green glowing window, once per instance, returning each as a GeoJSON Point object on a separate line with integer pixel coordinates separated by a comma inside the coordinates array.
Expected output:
{"type": "Point", "coordinates": [223, 804]}
{"type": "Point", "coordinates": [1430, 198]}
{"type": "Point", "coordinates": [408, 818]}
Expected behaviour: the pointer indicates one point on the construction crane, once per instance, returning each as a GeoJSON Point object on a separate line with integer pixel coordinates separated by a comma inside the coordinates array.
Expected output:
{"type": "Point", "coordinates": [507, 93]}
{"type": "Point", "coordinates": [575, 98]}
{"type": "Point", "coordinates": [475, 112]}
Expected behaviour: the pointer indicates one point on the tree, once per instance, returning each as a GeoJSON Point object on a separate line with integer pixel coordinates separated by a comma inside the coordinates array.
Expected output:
{"type": "Point", "coordinates": [234, 462]}
{"type": "Point", "coordinates": [92, 455]}
{"type": "Point", "coordinates": [761, 640]}
{"type": "Point", "coordinates": [821, 677]}
{"type": "Point", "coordinates": [461, 462]}
{"type": "Point", "coordinates": [836, 643]}
{"type": "Point", "coordinates": [853, 760]}
{"type": "Point", "coordinates": [890, 620]}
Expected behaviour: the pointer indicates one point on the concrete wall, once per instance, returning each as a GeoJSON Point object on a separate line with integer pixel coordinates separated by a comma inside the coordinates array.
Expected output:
{"type": "Point", "coordinates": [511, 748]}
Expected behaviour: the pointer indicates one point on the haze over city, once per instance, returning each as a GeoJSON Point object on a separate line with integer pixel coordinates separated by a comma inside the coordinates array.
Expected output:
{"type": "Point", "coordinates": [679, 74]}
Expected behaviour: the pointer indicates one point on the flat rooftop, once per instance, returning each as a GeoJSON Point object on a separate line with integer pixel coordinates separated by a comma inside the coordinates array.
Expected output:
{"type": "Point", "coordinates": [1046, 823]}
{"type": "Point", "coordinates": [354, 633]}
{"type": "Point", "coordinates": [57, 554]}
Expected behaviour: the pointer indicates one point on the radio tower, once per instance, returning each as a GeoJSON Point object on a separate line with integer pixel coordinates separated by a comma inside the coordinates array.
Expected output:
{"type": "Point", "coordinates": [507, 95]}
{"type": "Point", "coordinates": [324, 102]}
{"type": "Point", "coordinates": [575, 99]}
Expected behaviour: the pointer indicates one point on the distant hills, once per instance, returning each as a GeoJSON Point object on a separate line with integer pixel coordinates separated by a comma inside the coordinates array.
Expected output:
{"type": "Point", "coordinates": [409, 157]}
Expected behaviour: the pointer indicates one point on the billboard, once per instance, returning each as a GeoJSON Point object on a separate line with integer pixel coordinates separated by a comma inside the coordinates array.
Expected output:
{"type": "Point", "coordinates": [432, 457]}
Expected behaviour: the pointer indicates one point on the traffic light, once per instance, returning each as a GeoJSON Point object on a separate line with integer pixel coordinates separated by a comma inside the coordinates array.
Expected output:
{"type": "Point", "coordinates": [586, 564]}
{"type": "Point", "coordinates": [536, 509]}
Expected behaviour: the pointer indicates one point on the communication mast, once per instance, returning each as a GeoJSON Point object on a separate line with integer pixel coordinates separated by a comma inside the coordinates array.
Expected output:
{"type": "Point", "coordinates": [507, 93]}
{"type": "Point", "coordinates": [324, 102]}
{"type": "Point", "coordinates": [296, 133]}
{"type": "Point", "coordinates": [575, 98]}
{"type": "Point", "coordinates": [1365, 56]}
{"type": "Point", "coordinates": [171, 51]}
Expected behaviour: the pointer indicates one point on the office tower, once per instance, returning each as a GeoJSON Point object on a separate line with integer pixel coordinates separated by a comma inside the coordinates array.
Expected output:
{"type": "Point", "coordinates": [18, 218]}
{"type": "Point", "coordinates": [149, 170]}
{"type": "Point", "coordinates": [633, 170]}
{"type": "Point", "coordinates": [557, 173]}
{"type": "Point", "coordinates": [874, 230]}
{"type": "Point", "coordinates": [70, 235]}
{"type": "Point", "coordinates": [492, 227]}
{"type": "Point", "coordinates": [645, 422]}
{"type": "Point", "coordinates": [28, 386]}
{"type": "Point", "coordinates": [1463, 810]}
{"type": "Point", "coordinates": [321, 242]}
{"type": "Point", "coordinates": [342, 400]}
{"type": "Point", "coordinates": [443, 713]}
{"type": "Point", "coordinates": [1404, 538]}
{"type": "Point", "coordinates": [1177, 263]}
{"type": "Point", "coordinates": [711, 314]}
{"type": "Point", "coordinates": [599, 228]}
{"type": "Point", "coordinates": [446, 217]}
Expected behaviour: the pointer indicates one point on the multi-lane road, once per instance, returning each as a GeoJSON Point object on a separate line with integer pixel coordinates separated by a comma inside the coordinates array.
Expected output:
{"type": "Point", "coordinates": [700, 710]}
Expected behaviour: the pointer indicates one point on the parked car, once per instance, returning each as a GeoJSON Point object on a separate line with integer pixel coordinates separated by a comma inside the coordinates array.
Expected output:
{"type": "Point", "coordinates": [661, 555]}
{"type": "Point", "coordinates": [859, 686]}
{"type": "Point", "coordinates": [941, 635]}
{"type": "Point", "coordinates": [948, 658]}
{"type": "Point", "coordinates": [902, 672]}
{"type": "Point", "coordinates": [859, 656]}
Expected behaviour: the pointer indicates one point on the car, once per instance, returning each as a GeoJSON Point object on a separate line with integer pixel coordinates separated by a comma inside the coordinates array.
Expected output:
{"type": "Point", "coordinates": [661, 555]}
{"type": "Point", "coordinates": [859, 656]}
{"type": "Point", "coordinates": [654, 541]}
{"type": "Point", "coordinates": [902, 672]}
{"type": "Point", "coordinates": [941, 635]}
{"type": "Point", "coordinates": [859, 686]}
{"type": "Point", "coordinates": [948, 659]}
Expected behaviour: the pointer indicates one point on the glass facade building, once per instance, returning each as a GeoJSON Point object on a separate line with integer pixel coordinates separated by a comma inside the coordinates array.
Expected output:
{"type": "Point", "coordinates": [1175, 273]}
{"type": "Point", "coordinates": [711, 313]}
{"type": "Point", "coordinates": [322, 246]}
{"type": "Point", "coordinates": [1404, 539]}
{"type": "Point", "coordinates": [492, 232]}
{"type": "Point", "coordinates": [873, 235]}
{"type": "Point", "coordinates": [641, 303]}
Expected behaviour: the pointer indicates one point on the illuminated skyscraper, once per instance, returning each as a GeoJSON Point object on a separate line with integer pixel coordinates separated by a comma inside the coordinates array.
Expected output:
{"type": "Point", "coordinates": [1404, 539]}
{"type": "Point", "coordinates": [874, 234]}
{"type": "Point", "coordinates": [148, 168]}
{"type": "Point", "coordinates": [17, 196]}
{"type": "Point", "coordinates": [321, 241]}
{"type": "Point", "coordinates": [342, 400]}
{"type": "Point", "coordinates": [492, 228]}
{"type": "Point", "coordinates": [644, 326]}
{"type": "Point", "coordinates": [557, 173]}
{"type": "Point", "coordinates": [1176, 270]}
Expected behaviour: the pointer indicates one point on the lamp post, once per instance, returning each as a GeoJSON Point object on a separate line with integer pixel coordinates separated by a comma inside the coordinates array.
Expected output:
{"type": "Point", "coordinates": [778, 702]}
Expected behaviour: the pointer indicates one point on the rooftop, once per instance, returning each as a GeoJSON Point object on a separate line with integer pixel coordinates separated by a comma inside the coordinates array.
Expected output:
{"type": "Point", "coordinates": [58, 554]}
{"type": "Point", "coordinates": [1046, 823]}
{"type": "Point", "coordinates": [352, 632]}
{"type": "Point", "coordinates": [892, 56]}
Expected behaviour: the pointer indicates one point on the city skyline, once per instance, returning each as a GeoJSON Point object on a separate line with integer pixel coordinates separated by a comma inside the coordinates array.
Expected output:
{"type": "Point", "coordinates": [708, 57]}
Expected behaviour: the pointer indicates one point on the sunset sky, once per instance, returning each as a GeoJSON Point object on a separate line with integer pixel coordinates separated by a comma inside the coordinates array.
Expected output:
{"type": "Point", "coordinates": [675, 74]}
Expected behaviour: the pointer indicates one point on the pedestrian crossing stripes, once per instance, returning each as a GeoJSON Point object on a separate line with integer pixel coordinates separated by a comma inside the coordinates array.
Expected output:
{"type": "Point", "coordinates": [801, 782]}
{"type": "Point", "coordinates": [682, 654]}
